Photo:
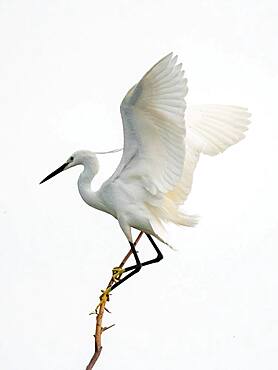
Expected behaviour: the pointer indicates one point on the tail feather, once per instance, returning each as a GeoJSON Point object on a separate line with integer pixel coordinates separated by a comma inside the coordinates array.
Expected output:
{"type": "Point", "coordinates": [187, 220]}
{"type": "Point", "coordinates": [167, 211]}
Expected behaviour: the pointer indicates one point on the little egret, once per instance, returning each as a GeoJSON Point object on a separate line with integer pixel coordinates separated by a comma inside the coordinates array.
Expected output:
{"type": "Point", "coordinates": [162, 145]}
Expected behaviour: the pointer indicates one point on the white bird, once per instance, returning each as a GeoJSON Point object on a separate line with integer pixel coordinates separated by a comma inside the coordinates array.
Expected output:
{"type": "Point", "coordinates": [162, 145]}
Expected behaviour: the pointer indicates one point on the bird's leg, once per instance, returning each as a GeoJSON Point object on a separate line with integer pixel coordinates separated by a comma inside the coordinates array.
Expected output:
{"type": "Point", "coordinates": [136, 268]}
{"type": "Point", "coordinates": [118, 271]}
{"type": "Point", "coordinates": [158, 258]}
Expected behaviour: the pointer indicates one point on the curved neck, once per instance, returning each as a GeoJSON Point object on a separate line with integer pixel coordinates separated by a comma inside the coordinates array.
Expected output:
{"type": "Point", "coordinates": [84, 185]}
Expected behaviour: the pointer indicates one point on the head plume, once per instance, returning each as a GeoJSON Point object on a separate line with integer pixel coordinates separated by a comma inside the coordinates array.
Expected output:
{"type": "Point", "coordinates": [109, 151]}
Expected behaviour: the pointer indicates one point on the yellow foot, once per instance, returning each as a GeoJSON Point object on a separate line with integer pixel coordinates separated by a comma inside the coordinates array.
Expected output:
{"type": "Point", "coordinates": [103, 298]}
{"type": "Point", "coordinates": [117, 273]}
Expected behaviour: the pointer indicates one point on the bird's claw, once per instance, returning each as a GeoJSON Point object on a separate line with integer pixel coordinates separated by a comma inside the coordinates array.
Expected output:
{"type": "Point", "coordinates": [104, 297]}
{"type": "Point", "coordinates": [117, 273]}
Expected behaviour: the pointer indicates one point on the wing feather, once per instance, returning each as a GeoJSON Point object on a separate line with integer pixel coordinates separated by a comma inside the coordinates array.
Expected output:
{"type": "Point", "coordinates": [211, 129]}
{"type": "Point", "coordinates": [154, 128]}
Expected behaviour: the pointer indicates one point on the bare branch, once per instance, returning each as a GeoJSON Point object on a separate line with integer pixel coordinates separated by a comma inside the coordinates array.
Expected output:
{"type": "Point", "coordinates": [101, 308]}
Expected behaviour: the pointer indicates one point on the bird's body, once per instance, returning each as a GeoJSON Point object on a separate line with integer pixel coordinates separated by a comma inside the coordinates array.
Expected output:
{"type": "Point", "coordinates": [162, 144]}
{"type": "Point", "coordinates": [124, 200]}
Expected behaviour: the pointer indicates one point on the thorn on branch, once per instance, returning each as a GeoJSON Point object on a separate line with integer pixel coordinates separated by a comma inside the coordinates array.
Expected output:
{"type": "Point", "coordinates": [107, 327]}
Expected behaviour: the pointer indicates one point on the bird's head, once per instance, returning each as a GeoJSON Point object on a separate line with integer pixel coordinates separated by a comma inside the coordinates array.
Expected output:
{"type": "Point", "coordinates": [81, 157]}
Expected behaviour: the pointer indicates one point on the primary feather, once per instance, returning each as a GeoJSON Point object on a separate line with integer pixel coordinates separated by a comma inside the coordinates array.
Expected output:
{"type": "Point", "coordinates": [154, 128]}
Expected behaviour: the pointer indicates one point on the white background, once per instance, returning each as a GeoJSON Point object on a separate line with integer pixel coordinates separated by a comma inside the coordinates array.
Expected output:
{"type": "Point", "coordinates": [64, 68]}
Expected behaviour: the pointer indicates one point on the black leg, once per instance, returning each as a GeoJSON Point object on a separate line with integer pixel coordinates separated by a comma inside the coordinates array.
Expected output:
{"type": "Point", "coordinates": [136, 268]}
{"type": "Point", "coordinates": [158, 258]}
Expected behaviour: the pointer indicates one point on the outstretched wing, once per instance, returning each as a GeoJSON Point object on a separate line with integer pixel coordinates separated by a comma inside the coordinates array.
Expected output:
{"type": "Point", "coordinates": [210, 129]}
{"type": "Point", "coordinates": [154, 128]}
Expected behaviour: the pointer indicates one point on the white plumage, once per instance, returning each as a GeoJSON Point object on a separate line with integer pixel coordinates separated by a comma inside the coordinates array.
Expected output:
{"type": "Point", "coordinates": [163, 141]}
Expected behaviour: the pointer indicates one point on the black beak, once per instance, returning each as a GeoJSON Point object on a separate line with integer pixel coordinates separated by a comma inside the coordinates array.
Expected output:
{"type": "Point", "coordinates": [54, 173]}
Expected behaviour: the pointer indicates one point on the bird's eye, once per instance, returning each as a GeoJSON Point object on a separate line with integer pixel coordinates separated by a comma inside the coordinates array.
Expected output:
{"type": "Point", "coordinates": [71, 158]}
